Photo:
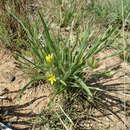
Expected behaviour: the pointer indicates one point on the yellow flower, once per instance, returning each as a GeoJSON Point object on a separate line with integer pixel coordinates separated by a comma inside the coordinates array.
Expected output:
{"type": "Point", "coordinates": [52, 79]}
{"type": "Point", "coordinates": [49, 58]}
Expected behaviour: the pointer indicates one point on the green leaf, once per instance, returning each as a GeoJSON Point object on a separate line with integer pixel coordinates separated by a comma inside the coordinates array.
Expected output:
{"type": "Point", "coordinates": [84, 86]}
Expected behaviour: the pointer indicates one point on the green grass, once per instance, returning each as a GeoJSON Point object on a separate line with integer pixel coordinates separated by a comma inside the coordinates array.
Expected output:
{"type": "Point", "coordinates": [62, 63]}
{"type": "Point", "coordinates": [67, 61]}
{"type": "Point", "coordinates": [110, 11]}
{"type": "Point", "coordinates": [12, 34]}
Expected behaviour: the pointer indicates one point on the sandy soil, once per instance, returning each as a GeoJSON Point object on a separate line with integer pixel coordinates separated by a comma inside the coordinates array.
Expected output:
{"type": "Point", "coordinates": [14, 109]}
{"type": "Point", "coordinates": [119, 99]}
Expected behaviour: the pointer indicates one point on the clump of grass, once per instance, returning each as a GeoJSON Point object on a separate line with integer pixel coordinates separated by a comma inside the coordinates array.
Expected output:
{"type": "Point", "coordinates": [62, 13]}
{"type": "Point", "coordinates": [59, 62]}
{"type": "Point", "coordinates": [53, 119]}
{"type": "Point", "coordinates": [16, 36]}
{"type": "Point", "coordinates": [62, 63]}
{"type": "Point", "coordinates": [110, 11]}
{"type": "Point", "coordinates": [119, 45]}
{"type": "Point", "coordinates": [4, 37]}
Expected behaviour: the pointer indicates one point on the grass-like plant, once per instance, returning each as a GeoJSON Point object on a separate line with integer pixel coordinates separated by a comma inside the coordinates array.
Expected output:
{"type": "Point", "coordinates": [110, 11]}
{"type": "Point", "coordinates": [58, 61]}
{"type": "Point", "coordinates": [11, 32]}
{"type": "Point", "coordinates": [62, 63]}
{"type": "Point", "coordinates": [53, 120]}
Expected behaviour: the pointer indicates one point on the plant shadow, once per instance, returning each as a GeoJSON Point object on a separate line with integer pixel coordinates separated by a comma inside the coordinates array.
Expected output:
{"type": "Point", "coordinates": [111, 103]}
{"type": "Point", "coordinates": [107, 103]}
{"type": "Point", "coordinates": [21, 113]}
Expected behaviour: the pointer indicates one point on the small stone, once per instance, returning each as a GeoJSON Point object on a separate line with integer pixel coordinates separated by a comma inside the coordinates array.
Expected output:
{"type": "Point", "coordinates": [3, 97]}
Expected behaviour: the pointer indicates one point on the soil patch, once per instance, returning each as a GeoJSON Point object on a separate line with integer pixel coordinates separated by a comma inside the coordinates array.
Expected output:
{"type": "Point", "coordinates": [13, 109]}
